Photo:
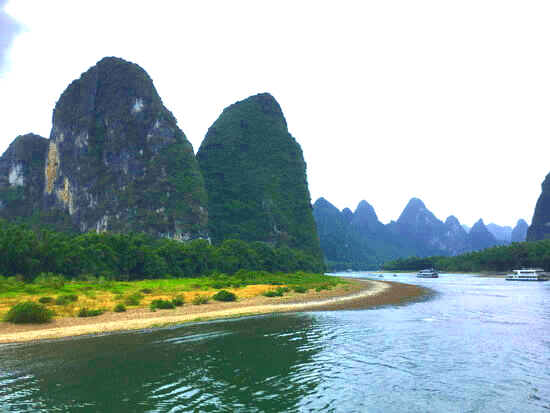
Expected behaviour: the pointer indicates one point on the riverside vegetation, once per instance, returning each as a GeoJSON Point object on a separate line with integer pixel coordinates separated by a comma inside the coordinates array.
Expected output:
{"type": "Point", "coordinates": [497, 259]}
{"type": "Point", "coordinates": [52, 295]}
{"type": "Point", "coordinates": [86, 274]}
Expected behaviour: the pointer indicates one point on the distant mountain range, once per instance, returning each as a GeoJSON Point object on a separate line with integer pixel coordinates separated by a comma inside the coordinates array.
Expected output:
{"type": "Point", "coordinates": [358, 239]}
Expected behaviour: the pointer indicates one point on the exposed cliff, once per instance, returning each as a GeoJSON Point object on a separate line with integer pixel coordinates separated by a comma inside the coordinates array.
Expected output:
{"type": "Point", "coordinates": [479, 237]}
{"type": "Point", "coordinates": [455, 236]}
{"type": "Point", "coordinates": [540, 224]}
{"type": "Point", "coordinates": [255, 176]}
{"type": "Point", "coordinates": [421, 227]}
{"type": "Point", "coordinates": [519, 233]}
{"type": "Point", "coordinates": [117, 160]}
{"type": "Point", "coordinates": [22, 176]}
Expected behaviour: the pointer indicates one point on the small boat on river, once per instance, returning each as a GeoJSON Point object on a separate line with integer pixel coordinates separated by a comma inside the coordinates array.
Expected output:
{"type": "Point", "coordinates": [429, 273]}
{"type": "Point", "coordinates": [527, 274]}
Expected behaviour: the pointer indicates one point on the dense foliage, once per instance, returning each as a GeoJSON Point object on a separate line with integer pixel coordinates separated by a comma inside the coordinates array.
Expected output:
{"type": "Point", "coordinates": [255, 176]}
{"type": "Point", "coordinates": [28, 312]}
{"type": "Point", "coordinates": [134, 256]}
{"type": "Point", "coordinates": [500, 258]}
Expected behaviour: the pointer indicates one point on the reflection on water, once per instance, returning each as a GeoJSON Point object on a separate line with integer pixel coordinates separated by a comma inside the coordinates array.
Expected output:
{"type": "Point", "coordinates": [477, 345]}
{"type": "Point", "coordinates": [221, 366]}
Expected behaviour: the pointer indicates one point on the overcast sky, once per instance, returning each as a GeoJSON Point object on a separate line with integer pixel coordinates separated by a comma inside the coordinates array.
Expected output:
{"type": "Point", "coordinates": [446, 101]}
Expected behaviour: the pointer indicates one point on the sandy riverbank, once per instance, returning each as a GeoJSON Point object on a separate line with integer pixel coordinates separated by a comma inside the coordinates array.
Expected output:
{"type": "Point", "coordinates": [359, 294]}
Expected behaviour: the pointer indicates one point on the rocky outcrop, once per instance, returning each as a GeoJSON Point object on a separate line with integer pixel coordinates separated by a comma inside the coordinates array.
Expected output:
{"type": "Point", "coordinates": [255, 176]}
{"type": "Point", "coordinates": [519, 233]}
{"type": "Point", "coordinates": [116, 159]}
{"type": "Point", "coordinates": [421, 227]}
{"type": "Point", "coordinates": [540, 224]}
{"type": "Point", "coordinates": [479, 237]}
{"type": "Point", "coordinates": [22, 176]}
{"type": "Point", "coordinates": [365, 219]}
{"type": "Point", "coordinates": [455, 236]}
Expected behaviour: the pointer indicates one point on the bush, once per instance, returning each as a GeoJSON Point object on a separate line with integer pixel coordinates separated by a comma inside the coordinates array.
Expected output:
{"type": "Point", "coordinates": [45, 300]}
{"type": "Point", "coordinates": [178, 300]}
{"type": "Point", "coordinates": [146, 291]}
{"type": "Point", "coordinates": [273, 293]}
{"type": "Point", "coordinates": [224, 295]}
{"type": "Point", "coordinates": [133, 299]}
{"type": "Point", "coordinates": [28, 312]}
{"type": "Point", "coordinates": [49, 280]}
{"type": "Point", "coordinates": [299, 289]}
{"type": "Point", "coordinates": [66, 299]}
{"type": "Point", "coordinates": [201, 299]}
{"type": "Point", "coordinates": [119, 308]}
{"type": "Point", "coordinates": [161, 305]}
{"type": "Point", "coordinates": [87, 312]}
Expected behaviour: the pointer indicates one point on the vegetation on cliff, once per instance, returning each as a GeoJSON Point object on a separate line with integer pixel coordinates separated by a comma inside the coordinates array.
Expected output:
{"type": "Point", "coordinates": [540, 224]}
{"type": "Point", "coordinates": [116, 160]}
{"type": "Point", "coordinates": [22, 176]}
{"type": "Point", "coordinates": [255, 177]}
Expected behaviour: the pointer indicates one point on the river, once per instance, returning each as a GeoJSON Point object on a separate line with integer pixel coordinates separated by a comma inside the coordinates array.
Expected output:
{"type": "Point", "coordinates": [475, 345]}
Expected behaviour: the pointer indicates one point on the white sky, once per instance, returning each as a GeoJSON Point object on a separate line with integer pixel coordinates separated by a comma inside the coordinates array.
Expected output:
{"type": "Point", "coordinates": [446, 101]}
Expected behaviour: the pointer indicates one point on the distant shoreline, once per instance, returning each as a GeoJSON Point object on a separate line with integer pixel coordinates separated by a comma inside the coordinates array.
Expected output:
{"type": "Point", "coordinates": [359, 294]}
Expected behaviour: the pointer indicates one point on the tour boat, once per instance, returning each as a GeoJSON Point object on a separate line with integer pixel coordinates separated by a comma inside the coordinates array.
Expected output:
{"type": "Point", "coordinates": [430, 273]}
{"type": "Point", "coordinates": [527, 274]}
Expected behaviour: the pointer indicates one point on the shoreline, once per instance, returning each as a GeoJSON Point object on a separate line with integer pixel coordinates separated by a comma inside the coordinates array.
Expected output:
{"type": "Point", "coordinates": [360, 294]}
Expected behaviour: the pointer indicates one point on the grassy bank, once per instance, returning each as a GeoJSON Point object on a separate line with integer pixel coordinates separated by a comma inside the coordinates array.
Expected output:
{"type": "Point", "coordinates": [68, 298]}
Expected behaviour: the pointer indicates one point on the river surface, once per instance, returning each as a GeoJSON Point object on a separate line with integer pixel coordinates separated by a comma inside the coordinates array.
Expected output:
{"type": "Point", "coordinates": [475, 345]}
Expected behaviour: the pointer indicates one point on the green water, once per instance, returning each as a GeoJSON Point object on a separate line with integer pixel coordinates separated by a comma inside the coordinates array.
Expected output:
{"type": "Point", "coordinates": [476, 345]}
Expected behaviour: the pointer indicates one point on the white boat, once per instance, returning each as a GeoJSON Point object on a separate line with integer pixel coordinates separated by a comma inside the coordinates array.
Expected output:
{"type": "Point", "coordinates": [429, 273]}
{"type": "Point", "coordinates": [527, 274]}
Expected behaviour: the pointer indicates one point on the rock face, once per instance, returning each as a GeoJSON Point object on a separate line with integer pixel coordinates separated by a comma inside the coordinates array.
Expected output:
{"type": "Point", "coordinates": [540, 224]}
{"type": "Point", "coordinates": [365, 219]}
{"type": "Point", "coordinates": [255, 176]}
{"type": "Point", "coordinates": [519, 233]}
{"type": "Point", "coordinates": [421, 227]}
{"type": "Point", "coordinates": [22, 176]}
{"type": "Point", "coordinates": [455, 236]}
{"type": "Point", "coordinates": [117, 161]}
{"type": "Point", "coordinates": [479, 237]}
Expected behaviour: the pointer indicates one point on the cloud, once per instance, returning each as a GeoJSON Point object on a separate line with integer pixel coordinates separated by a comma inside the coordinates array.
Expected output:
{"type": "Point", "coordinates": [10, 28]}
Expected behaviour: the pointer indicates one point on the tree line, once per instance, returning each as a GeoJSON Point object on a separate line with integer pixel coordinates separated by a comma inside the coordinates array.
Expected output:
{"type": "Point", "coordinates": [500, 258]}
{"type": "Point", "coordinates": [132, 256]}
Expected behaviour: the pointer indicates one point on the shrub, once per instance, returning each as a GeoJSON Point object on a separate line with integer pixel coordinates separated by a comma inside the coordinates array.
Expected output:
{"type": "Point", "coordinates": [50, 280]}
{"type": "Point", "coordinates": [178, 300]}
{"type": "Point", "coordinates": [133, 299]}
{"type": "Point", "coordinates": [299, 289]}
{"type": "Point", "coordinates": [201, 299]}
{"type": "Point", "coordinates": [28, 312]}
{"type": "Point", "coordinates": [161, 304]}
{"type": "Point", "coordinates": [146, 291]}
{"type": "Point", "coordinates": [45, 300]}
{"type": "Point", "coordinates": [273, 293]}
{"type": "Point", "coordinates": [119, 308]}
{"type": "Point", "coordinates": [87, 312]}
{"type": "Point", "coordinates": [66, 299]}
{"type": "Point", "coordinates": [224, 295]}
